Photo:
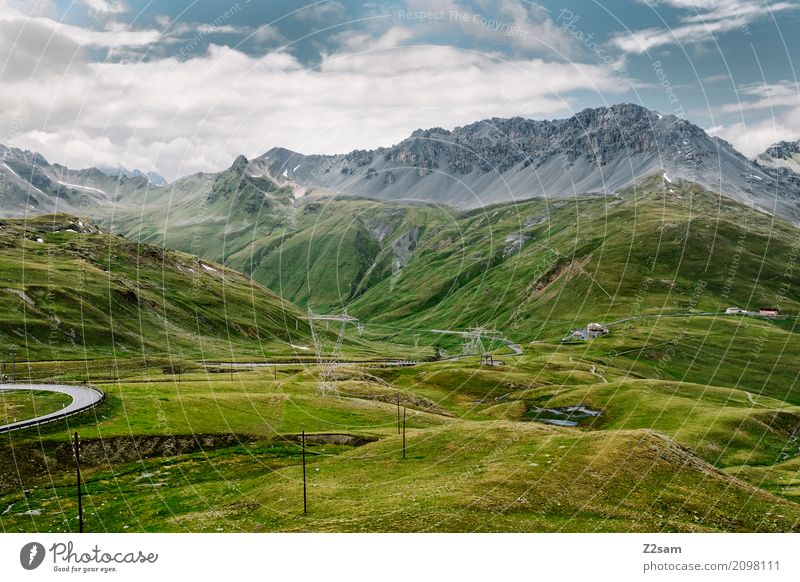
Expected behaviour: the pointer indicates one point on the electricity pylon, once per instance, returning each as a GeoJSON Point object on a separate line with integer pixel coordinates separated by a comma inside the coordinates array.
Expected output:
{"type": "Point", "coordinates": [472, 338]}
{"type": "Point", "coordinates": [328, 362]}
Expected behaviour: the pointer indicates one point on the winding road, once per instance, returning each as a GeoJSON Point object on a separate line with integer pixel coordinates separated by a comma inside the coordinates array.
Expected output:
{"type": "Point", "coordinates": [516, 348]}
{"type": "Point", "coordinates": [83, 398]}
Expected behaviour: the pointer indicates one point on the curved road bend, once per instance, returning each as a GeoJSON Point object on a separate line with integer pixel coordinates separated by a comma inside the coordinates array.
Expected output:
{"type": "Point", "coordinates": [83, 398]}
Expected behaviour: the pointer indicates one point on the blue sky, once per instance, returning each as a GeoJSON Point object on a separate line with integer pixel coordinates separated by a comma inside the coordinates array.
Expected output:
{"type": "Point", "coordinates": [182, 86]}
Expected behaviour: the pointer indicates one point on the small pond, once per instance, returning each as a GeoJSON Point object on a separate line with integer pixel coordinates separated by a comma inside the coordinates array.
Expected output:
{"type": "Point", "coordinates": [562, 416]}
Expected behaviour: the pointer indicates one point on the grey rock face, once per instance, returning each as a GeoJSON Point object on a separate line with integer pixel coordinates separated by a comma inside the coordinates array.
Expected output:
{"type": "Point", "coordinates": [784, 155]}
{"type": "Point", "coordinates": [496, 160]}
{"type": "Point", "coordinates": [29, 184]}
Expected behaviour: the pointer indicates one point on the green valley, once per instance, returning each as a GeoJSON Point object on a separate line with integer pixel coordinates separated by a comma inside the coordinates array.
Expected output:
{"type": "Point", "coordinates": [681, 418]}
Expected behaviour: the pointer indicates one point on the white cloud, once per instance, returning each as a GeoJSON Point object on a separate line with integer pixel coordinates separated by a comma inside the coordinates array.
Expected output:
{"type": "Point", "coordinates": [363, 41]}
{"type": "Point", "coordinates": [706, 20]}
{"type": "Point", "coordinates": [521, 25]}
{"type": "Point", "coordinates": [752, 138]}
{"type": "Point", "coordinates": [268, 34]}
{"type": "Point", "coordinates": [330, 12]}
{"type": "Point", "coordinates": [759, 96]}
{"type": "Point", "coordinates": [105, 7]}
{"type": "Point", "coordinates": [30, 7]}
{"type": "Point", "coordinates": [204, 29]}
{"type": "Point", "coordinates": [179, 116]}
{"type": "Point", "coordinates": [781, 100]}
{"type": "Point", "coordinates": [32, 50]}
{"type": "Point", "coordinates": [162, 20]}
{"type": "Point", "coordinates": [113, 37]}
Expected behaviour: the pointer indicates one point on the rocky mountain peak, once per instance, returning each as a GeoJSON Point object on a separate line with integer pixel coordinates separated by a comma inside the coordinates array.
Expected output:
{"type": "Point", "coordinates": [597, 150]}
{"type": "Point", "coordinates": [784, 149]}
{"type": "Point", "coordinates": [239, 165]}
{"type": "Point", "coordinates": [782, 157]}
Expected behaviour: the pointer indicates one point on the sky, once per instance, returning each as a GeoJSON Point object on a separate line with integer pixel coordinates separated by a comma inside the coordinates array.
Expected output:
{"type": "Point", "coordinates": [181, 86]}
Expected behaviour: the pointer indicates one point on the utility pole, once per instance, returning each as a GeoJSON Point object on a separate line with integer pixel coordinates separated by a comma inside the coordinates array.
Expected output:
{"type": "Point", "coordinates": [398, 413]}
{"type": "Point", "coordinates": [13, 352]}
{"type": "Point", "coordinates": [77, 448]}
{"type": "Point", "coordinates": [404, 432]}
{"type": "Point", "coordinates": [305, 494]}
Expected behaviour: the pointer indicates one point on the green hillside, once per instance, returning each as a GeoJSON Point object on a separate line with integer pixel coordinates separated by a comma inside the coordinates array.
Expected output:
{"type": "Point", "coordinates": [536, 269]}
{"type": "Point", "coordinates": [682, 418]}
{"type": "Point", "coordinates": [69, 291]}
{"type": "Point", "coordinates": [323, 251]}
{"type": "Point", "coordinates": [533, 269]}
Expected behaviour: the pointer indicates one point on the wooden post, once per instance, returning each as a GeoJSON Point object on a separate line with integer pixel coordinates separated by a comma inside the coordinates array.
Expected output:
{"type": "Point", "coordinates": [305, 495]}
{"type": "Point", "coordinates": [398, 413]}
{"type": "Point", "coordinates": [404, 432]}
{"type": "Point", "coordinates": [77, 448]}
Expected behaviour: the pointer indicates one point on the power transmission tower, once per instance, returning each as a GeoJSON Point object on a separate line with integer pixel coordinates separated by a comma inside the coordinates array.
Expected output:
{"type": "Point", "coordinates": [472, 339]}
{"type": "Point", "coordinates": [328, 362]}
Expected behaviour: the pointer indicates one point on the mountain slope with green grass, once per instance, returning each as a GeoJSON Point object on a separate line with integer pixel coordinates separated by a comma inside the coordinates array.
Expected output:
{"type": "Point", "coordinates": [533, 269]}
{"type": "Point", "coordinates": [682, 418]}
{"type": "Point", "coordinates": [318, 251]}
{"type": "Point", "coordinates": [70, 291]}
{"type": "Point", "coordinates": [537, 269]}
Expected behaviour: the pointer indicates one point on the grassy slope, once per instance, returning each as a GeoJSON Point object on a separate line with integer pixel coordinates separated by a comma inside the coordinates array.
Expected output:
{"type": "Point", "coordinates": [700, 416]}
{"type": "Point", "coordinates": [19, 405]}
{"type": "Point", "coordinates": [655, 460]}
{"type": "Point", "coordinates": [656, 248]}
{"type": "Point", "coordinates": [490, 476]}
{"type": "Point", "coordinates": [322, 251]}
{"type": "Point", "coordinates": [646, 251]}
{"type": "Point", "coordinates": [77, 295]}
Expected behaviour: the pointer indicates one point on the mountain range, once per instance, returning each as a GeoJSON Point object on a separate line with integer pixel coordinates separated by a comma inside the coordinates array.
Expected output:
{"type": "Point", "coordinates": [597, 151]}
{"type": "Point", "coordinates": [30, 185]}
{"type": "Point", "coordinates": [152, 177]}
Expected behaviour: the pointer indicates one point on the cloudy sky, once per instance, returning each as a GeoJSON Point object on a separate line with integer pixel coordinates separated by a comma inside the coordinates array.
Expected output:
{"type": "Point", "coordinates": [181, 86]}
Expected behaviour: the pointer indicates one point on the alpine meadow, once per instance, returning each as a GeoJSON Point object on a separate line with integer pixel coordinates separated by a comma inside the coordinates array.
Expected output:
{"type": "Point", "coordinates": [408, 268]}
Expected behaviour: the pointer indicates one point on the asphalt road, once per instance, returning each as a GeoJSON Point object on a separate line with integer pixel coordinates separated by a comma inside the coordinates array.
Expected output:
{"type": "Point", "coordinates": [83, 398]}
